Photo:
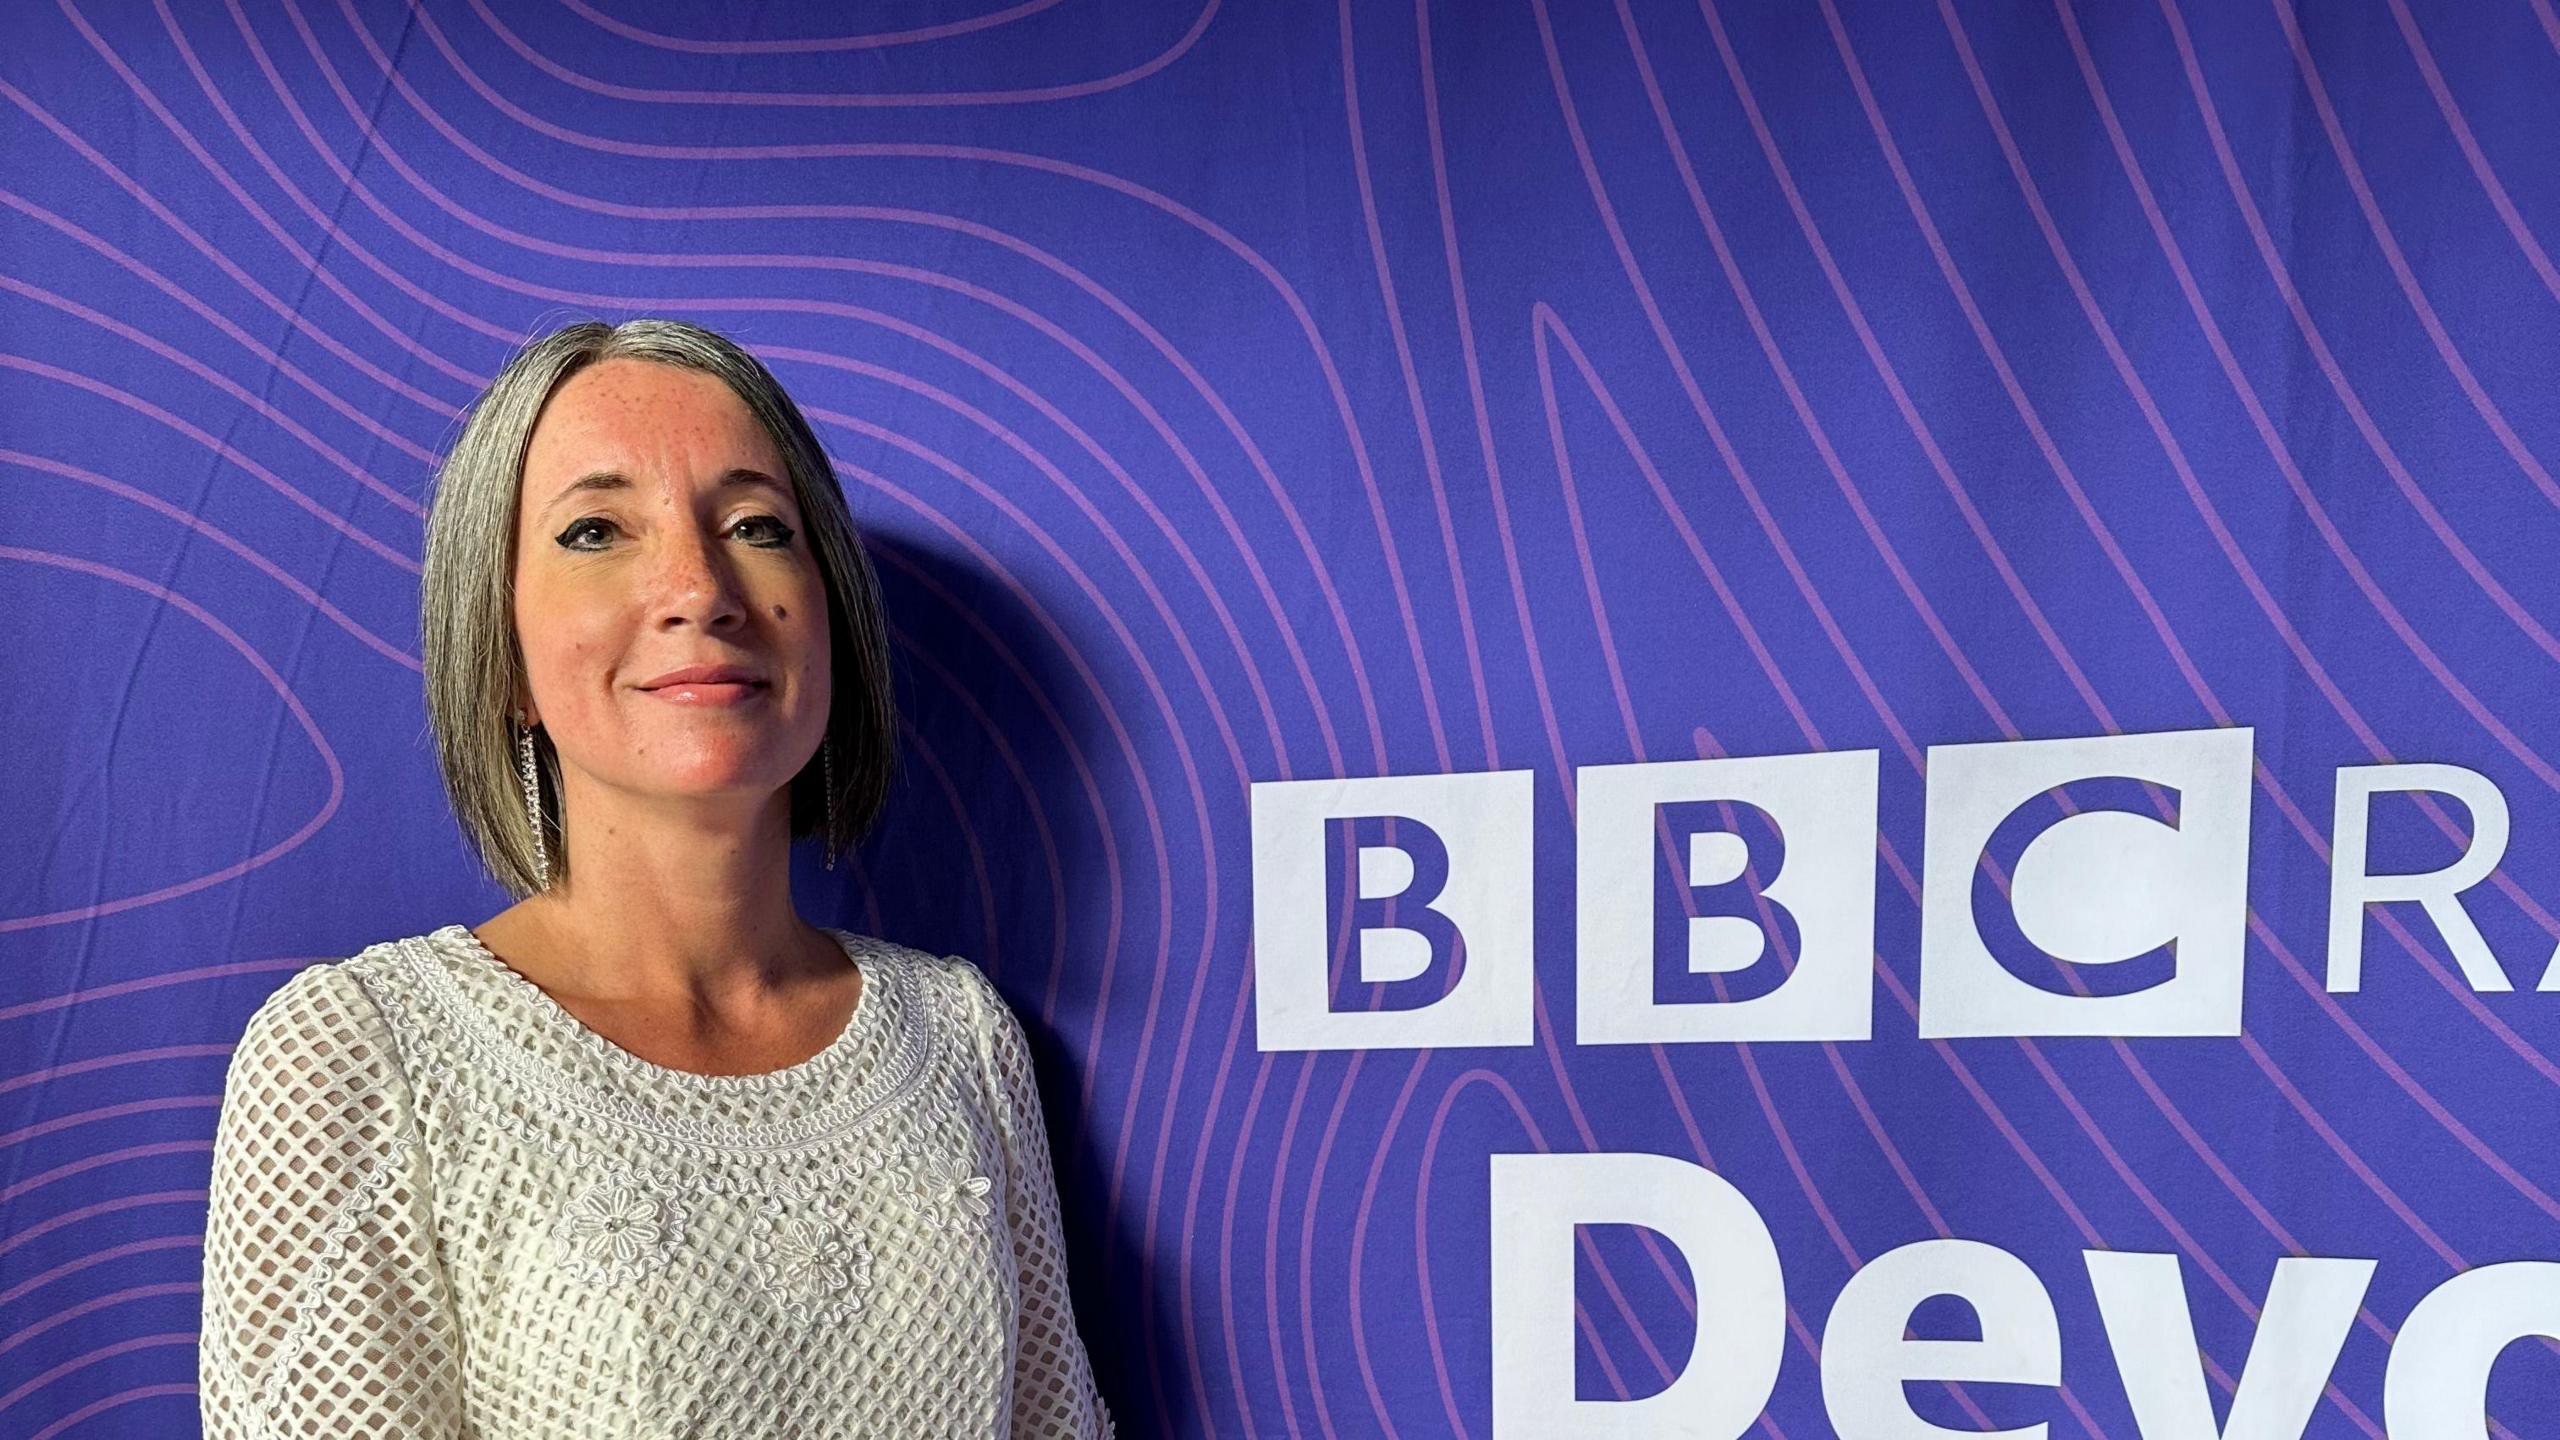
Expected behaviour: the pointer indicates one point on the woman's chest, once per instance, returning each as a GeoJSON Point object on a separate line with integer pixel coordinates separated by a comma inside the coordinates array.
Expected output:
{"type": "Point", "coordinates": [708, 1290]}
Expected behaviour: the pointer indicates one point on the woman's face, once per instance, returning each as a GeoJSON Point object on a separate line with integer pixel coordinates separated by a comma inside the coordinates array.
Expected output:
{"type": "Point", "coordinates": [656, 532]}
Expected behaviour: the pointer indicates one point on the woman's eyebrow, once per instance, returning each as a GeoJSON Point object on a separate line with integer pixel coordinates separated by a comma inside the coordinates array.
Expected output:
{"type": "Point", "coordinates": [616, 480]}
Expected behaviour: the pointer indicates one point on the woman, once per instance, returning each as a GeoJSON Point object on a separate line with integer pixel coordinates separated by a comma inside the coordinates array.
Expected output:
{"type": "Point", "coordinates": [644, 1154]}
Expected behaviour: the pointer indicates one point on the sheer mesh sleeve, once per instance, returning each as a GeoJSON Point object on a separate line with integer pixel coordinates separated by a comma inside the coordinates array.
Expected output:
{"type": "Point", "coordinates": [326, 1310]}
{"type": "Point", "coordinates": [1053, 1392]}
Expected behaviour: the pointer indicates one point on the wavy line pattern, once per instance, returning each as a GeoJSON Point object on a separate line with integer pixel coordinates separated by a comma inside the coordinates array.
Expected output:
{"type": "Point", "coordinates": [1240, 393]}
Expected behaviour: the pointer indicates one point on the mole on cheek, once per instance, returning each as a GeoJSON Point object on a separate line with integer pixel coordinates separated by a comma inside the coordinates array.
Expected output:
{"type": "Point", "coordinates": [779, 613]}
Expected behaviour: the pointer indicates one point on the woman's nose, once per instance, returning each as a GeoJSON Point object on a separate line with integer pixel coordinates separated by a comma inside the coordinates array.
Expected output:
{"type": "Point", "coordinates": [696, 584]}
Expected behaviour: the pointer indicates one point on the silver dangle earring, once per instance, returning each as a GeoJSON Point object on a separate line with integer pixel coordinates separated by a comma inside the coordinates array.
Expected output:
{"type": "Point", "coordinates": [827, 754]}
{"type": "Point", "coordinates": [533, 802]}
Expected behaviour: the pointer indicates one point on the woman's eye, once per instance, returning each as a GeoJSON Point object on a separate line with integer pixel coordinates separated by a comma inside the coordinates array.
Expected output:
{"type": "Point", "coordinates": [566, 537]}
{"type": "Point", "coordinates": [780, 532]}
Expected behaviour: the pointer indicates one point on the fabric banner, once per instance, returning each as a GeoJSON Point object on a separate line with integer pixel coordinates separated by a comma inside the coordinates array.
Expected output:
{"type": "Point", "coordinates": [1673, 717]}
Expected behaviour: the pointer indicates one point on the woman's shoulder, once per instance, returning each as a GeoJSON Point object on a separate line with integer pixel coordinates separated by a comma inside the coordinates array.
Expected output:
{"type": "Point", "coordinates": [317, 1117]}
{"type": "Point", "coordinates": [953, 981]}
{"type": "Point", "coordinates": [325, 1000]}
{"type": "Point", "coordinates": [326, 1025]}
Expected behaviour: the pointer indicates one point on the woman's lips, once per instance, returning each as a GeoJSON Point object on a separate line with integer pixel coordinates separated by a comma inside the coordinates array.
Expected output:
{"type": "Point", "coordinates": [700, 692]}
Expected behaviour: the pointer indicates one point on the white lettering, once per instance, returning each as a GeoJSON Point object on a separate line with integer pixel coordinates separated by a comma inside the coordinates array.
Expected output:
{"type": "Point", "coordinates": [1732, 1363]}
{"type": "Point", "coordinates": [2142, 1300]}
{"type": "Point", "coordinates": [2437, 1384]}
{"type": "Point", "coordinates": [1866, 1361]}
{"type": "Point", "coordinates": [2439, 891]}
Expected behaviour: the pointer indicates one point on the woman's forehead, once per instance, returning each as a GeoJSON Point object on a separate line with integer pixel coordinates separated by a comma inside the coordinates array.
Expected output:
{"type": "Point", "coordinates": [656, 424]}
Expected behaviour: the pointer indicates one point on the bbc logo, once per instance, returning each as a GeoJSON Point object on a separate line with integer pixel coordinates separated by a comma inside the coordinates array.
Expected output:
{"type": "Point", "coordinates": [1429, 879]}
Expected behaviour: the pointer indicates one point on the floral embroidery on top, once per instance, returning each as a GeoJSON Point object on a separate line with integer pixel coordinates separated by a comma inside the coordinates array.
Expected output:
{"type": "Point", "coordinates": [814, 1268]}
{"type": "Point", "coordinates": [615, 1229]}
{"type": "Point", "coordinates": [943, 1186]}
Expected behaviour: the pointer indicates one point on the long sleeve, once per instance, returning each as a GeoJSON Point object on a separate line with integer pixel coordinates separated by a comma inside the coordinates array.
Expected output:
{"type": "Point", "coordinates": [1053, 1391]}
{"type": "Point", "coordinates": [326, 1308]}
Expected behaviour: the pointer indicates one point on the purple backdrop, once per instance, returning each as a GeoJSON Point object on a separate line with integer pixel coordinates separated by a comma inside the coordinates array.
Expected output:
{"type": "Point", "coordinates": [1251, 392]}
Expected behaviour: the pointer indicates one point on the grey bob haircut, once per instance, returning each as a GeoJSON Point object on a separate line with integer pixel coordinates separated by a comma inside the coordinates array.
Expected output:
{"type": "Point", "coordinates": [475, 676]}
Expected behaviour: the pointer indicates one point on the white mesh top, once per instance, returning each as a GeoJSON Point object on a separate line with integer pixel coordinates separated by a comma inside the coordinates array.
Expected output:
{"type": "Point", "coordinates": [443, 1206]}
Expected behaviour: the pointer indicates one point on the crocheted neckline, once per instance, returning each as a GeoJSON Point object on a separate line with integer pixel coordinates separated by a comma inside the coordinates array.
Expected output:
{"type": "Point", "coordinates": [555, 1017]}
